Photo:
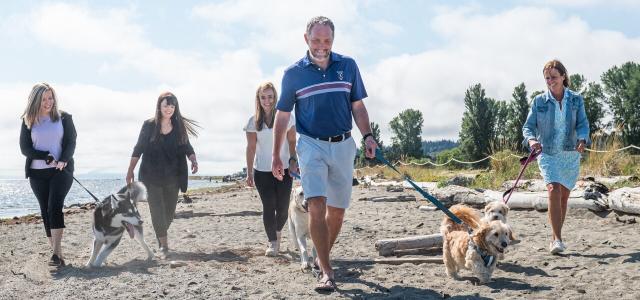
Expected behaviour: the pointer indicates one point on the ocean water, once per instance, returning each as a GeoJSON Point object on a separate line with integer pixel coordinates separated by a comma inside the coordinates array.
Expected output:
{"type": "Point", "coordinates": [17, 199]}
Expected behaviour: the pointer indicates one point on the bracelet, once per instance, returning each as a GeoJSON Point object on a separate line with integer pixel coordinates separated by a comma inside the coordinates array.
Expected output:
{"type": "Point", "coordinates": [293, 158]}
{"type": "Point", "coordinates": [366, 135]}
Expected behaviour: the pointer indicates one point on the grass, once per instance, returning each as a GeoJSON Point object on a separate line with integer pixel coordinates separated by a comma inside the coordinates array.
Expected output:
{"type": "Point", "coordinates": [610, 163]}
{"type": "Point", "coordinates": [506, 167]}
{"type": "Point", "coordinates": [416, 173]}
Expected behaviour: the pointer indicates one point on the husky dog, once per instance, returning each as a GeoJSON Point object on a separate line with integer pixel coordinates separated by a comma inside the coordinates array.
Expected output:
{"type": "Point", "coordinates": [112, 216]}
{"type": "Point", "coordinates": [299, 227]}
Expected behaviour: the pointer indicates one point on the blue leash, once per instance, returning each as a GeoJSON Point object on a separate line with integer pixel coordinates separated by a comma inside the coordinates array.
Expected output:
{"type": "Point", "coordinates": [433, 200]}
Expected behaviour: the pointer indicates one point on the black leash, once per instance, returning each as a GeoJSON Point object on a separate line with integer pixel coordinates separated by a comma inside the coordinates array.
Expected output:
{"type": "Point", "coordinates": [86, 189]}
{"type": "Point", "coordinates": [433, 200]}
{"type": "Point", "coordinates": [50, 159]}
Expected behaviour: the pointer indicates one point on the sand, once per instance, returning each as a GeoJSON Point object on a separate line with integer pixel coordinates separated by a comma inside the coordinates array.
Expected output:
{"type": "Point", "coordinates": [218, 244]}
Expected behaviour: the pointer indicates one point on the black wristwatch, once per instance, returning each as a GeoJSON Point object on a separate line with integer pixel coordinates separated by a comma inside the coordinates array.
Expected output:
{"type": "Point", "coordinates": [366, 135]}
{"type": "Point", "coordinates": [293, 158]}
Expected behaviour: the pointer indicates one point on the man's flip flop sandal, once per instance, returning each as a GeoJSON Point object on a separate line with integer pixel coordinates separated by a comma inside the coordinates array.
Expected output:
{"type": "Point", "coordinates": [328, 285]}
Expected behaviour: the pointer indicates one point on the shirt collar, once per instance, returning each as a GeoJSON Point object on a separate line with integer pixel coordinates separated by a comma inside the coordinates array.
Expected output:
{"type": "Point", "coordinates": [566, 95]}
{"type": "Point", "coordinates": [306, 61]}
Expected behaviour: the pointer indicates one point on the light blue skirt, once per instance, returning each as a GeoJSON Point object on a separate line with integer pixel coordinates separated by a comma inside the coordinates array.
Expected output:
{"type": "Point", "coordinates": [562, 167]}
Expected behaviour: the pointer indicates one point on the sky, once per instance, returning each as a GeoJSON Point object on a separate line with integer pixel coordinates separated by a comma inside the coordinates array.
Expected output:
{"type": "Point", "coordinates": [109, 60]}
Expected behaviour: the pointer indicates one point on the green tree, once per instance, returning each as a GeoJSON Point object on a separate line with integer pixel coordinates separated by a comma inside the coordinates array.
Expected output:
{"type": "Point", "coordinates": [375, 130]}
{"type": "Point", "coordinates": [593, 100]}
{"type": "Point", "coordinates": [501, 115]}
{"type": "Point", "coordinates": [518, 110]}
{"type": "Point", "coordinates": [576, 82]}
{"type": "Point", "coordinates": [476, 133]}
{"type": "Point", "coordinates": [407, 130]}
{"type": "Point", "coordinates": [622, 88]}
{"type": "Point", "coordinates": [446, 155]}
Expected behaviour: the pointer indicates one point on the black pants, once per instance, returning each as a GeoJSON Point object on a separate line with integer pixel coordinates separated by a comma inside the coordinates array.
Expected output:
{"type": "Point", "coordinates": [275, 200]}
{"type": "Point", "coordinates": [162, 205]}
{"type": "Point", "coordinates": [51, 187]}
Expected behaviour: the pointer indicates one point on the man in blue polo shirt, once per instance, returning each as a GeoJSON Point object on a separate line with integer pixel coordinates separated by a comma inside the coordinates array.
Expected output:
{"type": "Point", "coordinates": [326, 90]}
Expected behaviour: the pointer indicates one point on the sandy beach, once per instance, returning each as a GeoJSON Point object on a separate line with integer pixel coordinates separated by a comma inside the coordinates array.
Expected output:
{"type": "Point", "coordinates": [218, 246]}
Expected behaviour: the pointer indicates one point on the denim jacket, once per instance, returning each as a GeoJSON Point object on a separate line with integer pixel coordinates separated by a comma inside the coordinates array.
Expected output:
{"type": "Point", "coordinates": [540, 121]}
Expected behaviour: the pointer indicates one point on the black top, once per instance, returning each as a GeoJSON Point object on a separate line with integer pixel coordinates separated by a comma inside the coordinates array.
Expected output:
{"type": "Point", "coordinates": [68, 144]}
{"type": "Point", "coordinates": [164, 161]}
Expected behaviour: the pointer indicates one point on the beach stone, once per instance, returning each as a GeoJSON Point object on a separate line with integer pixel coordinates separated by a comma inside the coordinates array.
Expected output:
{"type": "Point", "coordinates": [176, 264]}
{"type": "Point", "coordinates": [460, 180]}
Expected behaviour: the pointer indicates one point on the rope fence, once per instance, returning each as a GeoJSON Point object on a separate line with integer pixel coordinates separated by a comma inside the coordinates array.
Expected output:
{"type": "Point", "coordinates": [481, 160]}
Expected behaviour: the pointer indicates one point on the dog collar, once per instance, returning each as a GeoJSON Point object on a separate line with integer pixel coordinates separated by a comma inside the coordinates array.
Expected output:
{"type": "Point", "coordinates": [486, 258]}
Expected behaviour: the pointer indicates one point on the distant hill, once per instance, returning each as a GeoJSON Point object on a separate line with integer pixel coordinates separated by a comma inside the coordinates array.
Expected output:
{"type": "Point", "coordinates": [431, 148]}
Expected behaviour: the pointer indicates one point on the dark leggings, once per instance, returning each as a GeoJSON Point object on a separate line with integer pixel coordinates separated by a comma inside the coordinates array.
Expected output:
{"type": "Point", "coordinates": [51, 187]}
{"type": "Point", "coordinates": [162, 205]}
{"type": "Point", "coordinates": [275, 200]}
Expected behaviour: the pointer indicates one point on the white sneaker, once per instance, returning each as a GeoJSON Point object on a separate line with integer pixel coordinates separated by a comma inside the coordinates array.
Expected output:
{"type": "Point", "coordinates": [556, 247]}
{"type": "Point", "coordinates": [272, 249]}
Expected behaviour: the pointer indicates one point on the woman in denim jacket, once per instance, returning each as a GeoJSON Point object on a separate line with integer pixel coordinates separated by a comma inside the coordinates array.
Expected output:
{"type": "Point", "coordinates": [557, 124]}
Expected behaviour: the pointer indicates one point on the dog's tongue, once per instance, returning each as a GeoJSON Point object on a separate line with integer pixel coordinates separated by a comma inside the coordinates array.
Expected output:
{"type": "Point", "coordinates": [129, 229]}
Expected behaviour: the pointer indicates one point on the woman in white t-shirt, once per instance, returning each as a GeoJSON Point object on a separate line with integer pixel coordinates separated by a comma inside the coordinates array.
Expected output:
{"type": "Point", "coordinates": [273, 193]}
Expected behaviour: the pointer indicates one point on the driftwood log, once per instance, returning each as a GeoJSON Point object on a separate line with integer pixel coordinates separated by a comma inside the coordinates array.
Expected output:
{"type": "Point", "coordinates": [453, 194]}
{"type": "Point", "coordinates": [389, 261]}
{"type": "Point", "coordinates": [539, 200]}
{"type": "Point", "coordinates": [399, 198]}
{"type": "Point", "coordinates": [625, 200]}
{"type": "Point", "coordinates": [389, 247]}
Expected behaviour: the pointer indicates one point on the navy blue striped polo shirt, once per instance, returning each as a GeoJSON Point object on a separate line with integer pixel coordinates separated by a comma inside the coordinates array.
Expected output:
{"type": "Point", "coordinates": [322, 99]}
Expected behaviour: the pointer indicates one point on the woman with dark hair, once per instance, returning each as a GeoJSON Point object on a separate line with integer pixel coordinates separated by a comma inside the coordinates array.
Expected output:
{"type": "Point", "coordinates": [557, 125]}
{"type": "Point", "coordinates": [273, 192]}
{"type": "Point", "coordinates": [48, 140]}
{"type": "Point", "coordinates": [164, 146]}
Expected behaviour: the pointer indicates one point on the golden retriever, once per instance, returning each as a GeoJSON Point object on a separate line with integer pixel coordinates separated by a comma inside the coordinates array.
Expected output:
{"type": "Point", "coordinates": [476, 251]}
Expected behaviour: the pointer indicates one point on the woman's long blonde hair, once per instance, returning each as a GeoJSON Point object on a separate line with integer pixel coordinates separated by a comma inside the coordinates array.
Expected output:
{"type": "Point", "coordinates": [260, 113]}
{"type": "Point", "coordinates": [30, 115]}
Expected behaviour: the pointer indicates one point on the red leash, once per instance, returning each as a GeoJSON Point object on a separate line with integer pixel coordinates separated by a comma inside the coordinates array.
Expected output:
{"type": "Point", "coordinates": [524, 161]}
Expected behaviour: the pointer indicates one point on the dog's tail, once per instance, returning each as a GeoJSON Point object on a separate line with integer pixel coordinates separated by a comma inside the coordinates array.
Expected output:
{"type": "Point", "coordinates": [137, 191]}
{"type": "Point", "coordinates": [469, 216]}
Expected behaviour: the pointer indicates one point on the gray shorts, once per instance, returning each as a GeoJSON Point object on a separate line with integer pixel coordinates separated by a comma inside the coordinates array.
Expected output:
{"type": "Point", "coordinates": [326, 169]}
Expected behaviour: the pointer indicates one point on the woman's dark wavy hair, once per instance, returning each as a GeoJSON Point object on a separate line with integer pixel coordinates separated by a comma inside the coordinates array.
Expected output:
{"type": "Point", "coordinates": [183, 126]}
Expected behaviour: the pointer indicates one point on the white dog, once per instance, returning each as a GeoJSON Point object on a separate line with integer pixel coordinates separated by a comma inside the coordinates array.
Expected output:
{"type": "Point", "coordinates": [496, 210]}
{"type": "Point", "coordinates": [299, 228]}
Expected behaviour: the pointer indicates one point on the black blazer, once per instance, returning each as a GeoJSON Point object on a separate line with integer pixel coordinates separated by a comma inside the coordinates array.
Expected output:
{"type": "Point", "coordinates": [68, 144]}
{"type": "Point", "coordinates": [150, 167]}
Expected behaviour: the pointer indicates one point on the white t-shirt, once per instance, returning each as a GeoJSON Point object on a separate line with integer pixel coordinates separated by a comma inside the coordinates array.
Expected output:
{"type": "Point", "coordinates": [264, 145]}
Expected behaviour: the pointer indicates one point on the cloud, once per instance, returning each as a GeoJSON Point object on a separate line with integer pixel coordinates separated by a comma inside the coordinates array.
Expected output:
{"type": "Point", "coordinates": [589, 3]}
{"type": "Point", "coordinates": [497, 50]}
{"type": "Point", "coordinates": [278, 27]}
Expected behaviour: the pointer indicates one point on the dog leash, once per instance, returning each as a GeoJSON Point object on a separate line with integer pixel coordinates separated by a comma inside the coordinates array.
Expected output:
{"type": "Point", "coordinates": [524, 161]}
{"type": "Point", "coordinates": [433, 200]}
{"type": "Point", "coordinates": [88, 191]}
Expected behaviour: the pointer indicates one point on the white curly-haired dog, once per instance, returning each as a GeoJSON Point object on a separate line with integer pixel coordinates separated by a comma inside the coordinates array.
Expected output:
{"type": "Point", "coordinates": [497, 211]}
{"type": "Point", "coordinates": [476, 251]}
